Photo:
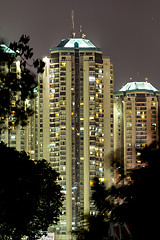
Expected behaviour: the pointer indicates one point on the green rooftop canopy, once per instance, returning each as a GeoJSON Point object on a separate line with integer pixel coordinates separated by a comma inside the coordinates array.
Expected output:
{"type": "Point", "coordinates": [133, 86]}
{"type": "Point", "coordinates": [6, 49]}
{"type": "Point", "coordinates": [70, 43]}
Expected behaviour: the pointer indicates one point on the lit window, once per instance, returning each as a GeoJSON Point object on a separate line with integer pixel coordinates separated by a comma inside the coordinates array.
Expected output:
{"type": "Point", "coordinates": [13, 137]}
{"type": "Point", "coordinates": [143, 116]}
{"type": "Point", "coordinates": [101, 179]}
{"type": "Point", "coordinates": [91, 78]}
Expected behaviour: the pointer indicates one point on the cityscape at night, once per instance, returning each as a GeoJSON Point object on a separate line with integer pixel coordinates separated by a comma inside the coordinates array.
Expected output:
{"type": "Point", "coordinates": [84, 118]}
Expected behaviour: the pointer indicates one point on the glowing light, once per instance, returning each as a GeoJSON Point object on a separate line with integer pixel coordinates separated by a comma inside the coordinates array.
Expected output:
{"type": "Point", "coordinates": [91, 183]}
{"type": "Point", "coordinates": [91, 78]}
{"type": "Point", "coordinates": [63, 64]}
{"type": "Point", "coordinates": [101, 179]}
{"type": "Point", "coordinates": [46, 59]}
{"type": "Point", "coordinates": [143, 116]}
{"type": "Point", "coordinates": [52, 91]}
{"type": "Point", "coordinates": [26, 102]}
{"type": "Point", "coordinates": [51, 95]}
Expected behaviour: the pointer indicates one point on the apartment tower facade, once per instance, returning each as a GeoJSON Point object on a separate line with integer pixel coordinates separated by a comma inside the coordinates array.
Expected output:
{"type": "Point", "coordinates": [74, 124]}
{"type": "Point", "coordinates": [135, 121]}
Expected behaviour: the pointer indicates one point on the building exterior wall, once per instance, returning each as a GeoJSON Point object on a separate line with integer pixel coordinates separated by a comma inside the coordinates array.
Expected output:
{"type": "Point", "coordinates": [75, 126]}
{"type": "Point", "coordinates": [108, 79]}
{"type": "Point", "coordinates": [135, 124]}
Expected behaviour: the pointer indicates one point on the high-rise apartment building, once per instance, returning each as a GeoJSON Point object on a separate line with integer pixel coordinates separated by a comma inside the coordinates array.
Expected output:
{"type": "Point", "coordinates": [74, 124]}
{"type": "Point", "coordinates": [135, 121]}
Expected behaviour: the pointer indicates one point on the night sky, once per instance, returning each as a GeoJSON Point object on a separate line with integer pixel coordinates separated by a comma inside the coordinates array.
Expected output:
{"type": "Point", "coordinates": [127, 30]}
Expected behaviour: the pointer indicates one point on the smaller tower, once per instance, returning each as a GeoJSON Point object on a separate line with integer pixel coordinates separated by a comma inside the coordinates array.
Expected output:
{"type": "Point", "coordinates": [135, 121]}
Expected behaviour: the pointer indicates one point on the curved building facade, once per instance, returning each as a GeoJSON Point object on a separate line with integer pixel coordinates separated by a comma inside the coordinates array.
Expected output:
{"type": "Point", "coordinates": [135, 121]}
{"type": "Point", "coordinates": [75, 121]}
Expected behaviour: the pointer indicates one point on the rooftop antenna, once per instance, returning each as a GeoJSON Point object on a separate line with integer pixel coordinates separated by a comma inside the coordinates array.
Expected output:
{"type": "Point", "coordinates": [138, 76]}
{"type": "Point", "coordinates": [81, 33]}
{"type": "Point", "coordinates": [73, 29]}
{"type": "Point", "coordinates": [80, 29]}
{"type": "Point", "coordinates": [146, 80]}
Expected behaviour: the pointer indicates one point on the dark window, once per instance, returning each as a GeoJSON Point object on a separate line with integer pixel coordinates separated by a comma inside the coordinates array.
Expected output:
{"type": "Point", "coordinates": [55, 57]}
{"type": "Point", "coordinates": [98, 58]}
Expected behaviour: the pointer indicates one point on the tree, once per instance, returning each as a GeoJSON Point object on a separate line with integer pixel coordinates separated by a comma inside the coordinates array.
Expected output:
{"type": "Point", "coordinates": [30, 197]}
{"type": "Point", "coordinates": [17, 81]}
{"type": "Point", "coordinates": [139, 206]}
{"type": "Point", "coordinates": [96, 226]}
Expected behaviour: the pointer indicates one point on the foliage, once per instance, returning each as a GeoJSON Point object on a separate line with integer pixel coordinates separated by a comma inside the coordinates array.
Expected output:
{"type": "Point", "coordinates": [140, 207]}
{"type": "Point", "coordinates": [93, 228]}
{"type": "Point", "coordinates": [30, 198]}
{"type": "Point", "coordinates": [97, 226]}
{"type": "Point", "coordinates": [135, 205]}
{"type": "Point", "coordinates": [17, 86]}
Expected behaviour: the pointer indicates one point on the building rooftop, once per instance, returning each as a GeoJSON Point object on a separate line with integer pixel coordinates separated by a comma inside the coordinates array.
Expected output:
{"type": "Point", "coordinates": [6, 49]}
{"type": "Point", "coordinates": [138, 86]}
{"type": "Point", "coordinates": [71, 43]}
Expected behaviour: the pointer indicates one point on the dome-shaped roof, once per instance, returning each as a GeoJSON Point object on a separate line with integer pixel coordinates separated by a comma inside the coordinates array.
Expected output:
{"type": "Point", "coordinates": [133, 86]}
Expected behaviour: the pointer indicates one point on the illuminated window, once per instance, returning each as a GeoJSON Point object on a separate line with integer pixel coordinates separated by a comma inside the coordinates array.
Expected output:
{"type": "Point", "coordinates": [101, 179]}
{"type": "Point", "coordinates": [91, 118]}
{"type": "Point", "coordinates": [51, 95]}
{"type": "Point", "coordinates": [13, 137]}
{"type": "Point", "coordinates": [91, 78]}
{"type": "Point", "coordinates": [91, 183]}
{"type": "Point", "coordinates": [143, 116]}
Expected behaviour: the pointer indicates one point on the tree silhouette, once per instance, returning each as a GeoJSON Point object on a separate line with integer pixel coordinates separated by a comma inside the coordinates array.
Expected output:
{"type": "Point", "coordinates": [30, 197]}
{"type": "Point", "coordinates": [135, 205]}
{"type": "Point", "coordinates": [17, 81]}
{"type": "Point", "coordinates": [97, 226]}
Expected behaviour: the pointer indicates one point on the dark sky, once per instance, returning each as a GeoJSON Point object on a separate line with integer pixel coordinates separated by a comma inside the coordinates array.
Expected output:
{"type": "Point", "coordinates": [127, 30]}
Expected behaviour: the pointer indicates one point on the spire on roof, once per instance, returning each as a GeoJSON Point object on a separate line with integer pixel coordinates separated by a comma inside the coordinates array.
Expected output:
{"type": "Point", "coordinates": [82, 35]}
{"type": "Point", "coordinates": [73, 29]}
